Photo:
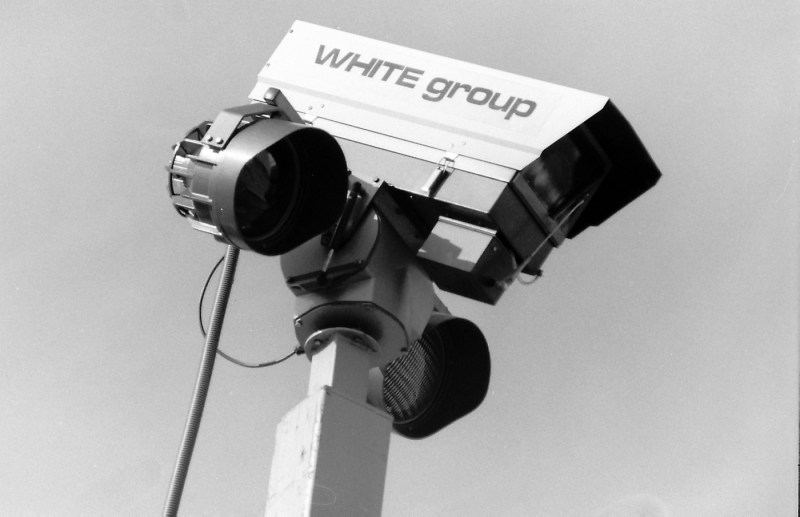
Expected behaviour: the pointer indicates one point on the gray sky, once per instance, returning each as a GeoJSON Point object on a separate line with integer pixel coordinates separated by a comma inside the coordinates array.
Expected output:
{"type": "Point", "coordinates": [652, 370]}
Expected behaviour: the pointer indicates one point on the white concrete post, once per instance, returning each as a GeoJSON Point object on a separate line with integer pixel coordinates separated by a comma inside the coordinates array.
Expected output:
{"type": "Point", "coordinates": [331, 449]}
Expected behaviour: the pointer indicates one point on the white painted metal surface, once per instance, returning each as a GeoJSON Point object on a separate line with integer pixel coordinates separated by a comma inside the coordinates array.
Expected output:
{"type": "Point", "coordinates": [421, 104]}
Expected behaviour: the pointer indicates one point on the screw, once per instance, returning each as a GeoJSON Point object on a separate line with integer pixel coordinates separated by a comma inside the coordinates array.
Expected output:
{"type": "Point", "coordinates": [220, 140]}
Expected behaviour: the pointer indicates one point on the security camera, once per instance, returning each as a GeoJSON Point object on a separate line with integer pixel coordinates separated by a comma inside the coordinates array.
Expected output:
{"type": "Point", "coordinates": [485, 172]}
{"type": "Point", "coordinates": [456, 175]}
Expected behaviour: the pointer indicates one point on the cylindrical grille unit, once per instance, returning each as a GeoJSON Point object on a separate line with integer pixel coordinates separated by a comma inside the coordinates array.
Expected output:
{"type": "Point", "coordinates": [443, 376]}
{"type": "Point", "coordinates": [274, 184]}
{"type": "Point", "coordinates": [412, 381]}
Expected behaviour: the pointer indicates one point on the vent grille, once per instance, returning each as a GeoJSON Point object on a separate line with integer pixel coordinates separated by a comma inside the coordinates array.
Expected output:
{"type": "Point", "coordinates": [413, 381]}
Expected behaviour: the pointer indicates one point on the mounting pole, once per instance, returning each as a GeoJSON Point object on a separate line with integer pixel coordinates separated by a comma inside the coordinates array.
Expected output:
{"type": "Point", "coordinates": [331, 449]}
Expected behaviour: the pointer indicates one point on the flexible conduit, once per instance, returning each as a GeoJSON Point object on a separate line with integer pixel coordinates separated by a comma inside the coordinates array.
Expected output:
{"type": "Point", "coordinates": [201, 386]}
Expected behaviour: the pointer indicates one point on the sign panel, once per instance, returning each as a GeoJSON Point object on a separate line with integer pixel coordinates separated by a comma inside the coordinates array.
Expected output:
{"type": "Point", "coordinates": [421, 104]}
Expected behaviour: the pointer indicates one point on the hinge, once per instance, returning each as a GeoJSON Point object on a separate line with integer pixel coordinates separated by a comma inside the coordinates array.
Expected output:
{"type": "Point", "coordinates": [444, 168]}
